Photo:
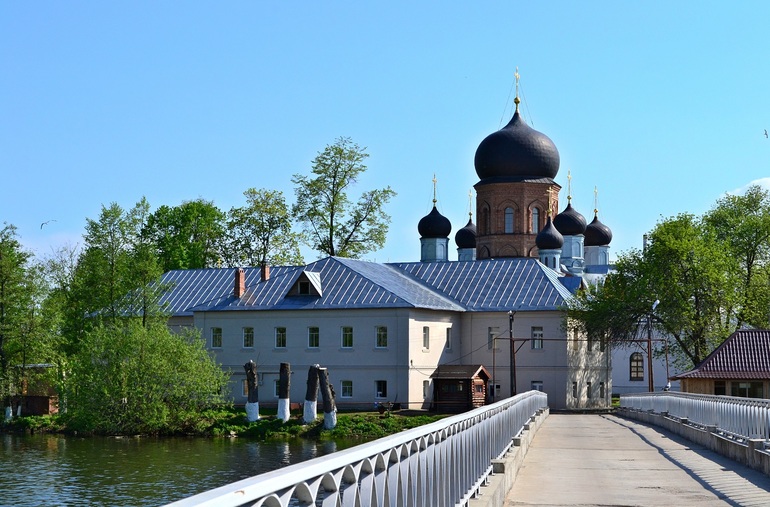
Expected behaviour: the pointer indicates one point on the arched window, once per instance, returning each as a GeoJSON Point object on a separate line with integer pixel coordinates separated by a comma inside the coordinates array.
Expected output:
{"type": "Point", "coordinates": [535, 220]}
{"type": "Point", "coordinates": [485, 221]}
{"type": "Point", "coordinates": [636, 366]}
{"type": "Point", "coordinates": [509, 220]}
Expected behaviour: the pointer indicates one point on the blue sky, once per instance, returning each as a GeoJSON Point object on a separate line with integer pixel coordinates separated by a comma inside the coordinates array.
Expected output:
{"type": "Point", "coordinates": [661, 105]}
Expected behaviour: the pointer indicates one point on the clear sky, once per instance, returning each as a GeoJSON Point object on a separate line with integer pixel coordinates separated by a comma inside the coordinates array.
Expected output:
{"type": "Point", "coordinates": [662, 105]}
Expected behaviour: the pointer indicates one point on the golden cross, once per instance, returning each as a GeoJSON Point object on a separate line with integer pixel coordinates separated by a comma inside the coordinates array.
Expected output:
{"type": "Point", "coordinates": [516, 99]}
{"type": "Point", "coordinates": [470, 204]}
{"type": "Point", "coordinates": [434, 188]}
{"type": "Point", "coordinates": [569, 186]}
{"type": "Point", "coordinates": [596, 201]}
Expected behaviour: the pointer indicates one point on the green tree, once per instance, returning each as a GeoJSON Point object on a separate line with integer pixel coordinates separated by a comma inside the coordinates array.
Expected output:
{"type": "Point", "coordinates": [742, 224]}
{"type": "Point", "coordinates": [260, 232]}
{"type": "Point", "coordinates": [686, 268]}
{"type": "Point", "coordinates": [128, 379]}
{"type": "Point", "coordinates": [186, 236]}
{"type": "Point", "coordinates": [332, 224]}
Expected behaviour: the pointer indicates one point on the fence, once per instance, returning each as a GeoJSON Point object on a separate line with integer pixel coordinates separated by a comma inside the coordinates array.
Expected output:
{"type": "Point", "coordinates": [744, 418]}
{"type": "Point", "coordinates": [442, 463]}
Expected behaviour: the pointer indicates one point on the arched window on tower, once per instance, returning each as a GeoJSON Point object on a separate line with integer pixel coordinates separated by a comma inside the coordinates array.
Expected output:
{"type": "Point", "coordinates": [509, 220]}
{"type": "Point", "coordinates": [535, 220]}
{"type": "Point", "coordinates": [485, 221]}
{"type": "Point", "coordinates": [636, 366]}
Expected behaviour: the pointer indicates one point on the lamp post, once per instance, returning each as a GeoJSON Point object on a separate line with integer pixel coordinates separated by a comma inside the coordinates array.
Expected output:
{"type": "Point", "coordinates": [512, 352]}
{"type": "Point", "coordinates": [650, 379]}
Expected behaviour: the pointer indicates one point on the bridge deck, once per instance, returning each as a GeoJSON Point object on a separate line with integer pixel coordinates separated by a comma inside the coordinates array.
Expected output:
{"type": "Point", "coordinates": [606, 460]}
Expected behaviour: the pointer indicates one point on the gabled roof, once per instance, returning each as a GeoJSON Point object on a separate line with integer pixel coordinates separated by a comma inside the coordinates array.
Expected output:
{"type": "Point", "coordinates": [488, 285]}
{"type": "Point", "coordinates": [460, 371]}
{"type": "Point", "coordinates": [743, 355]}
{"type": "Point", "coordinates": [494, 285]}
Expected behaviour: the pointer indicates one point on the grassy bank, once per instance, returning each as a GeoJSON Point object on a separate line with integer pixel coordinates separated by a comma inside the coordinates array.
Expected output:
{"type": "Point", "coordinates": [231, 422]}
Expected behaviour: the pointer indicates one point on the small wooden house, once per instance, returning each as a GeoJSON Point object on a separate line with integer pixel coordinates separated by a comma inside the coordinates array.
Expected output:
{"type": "Point", "coordinates": [740, 366]}
{"type": "Point", "coordinates": [457, 388]}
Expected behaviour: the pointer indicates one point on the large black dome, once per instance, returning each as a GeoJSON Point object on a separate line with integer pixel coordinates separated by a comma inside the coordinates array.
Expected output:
{"type": "Point", "coordinates": [549, 238]}
{"type": "Point", "coordinates": [516, 152]}
{"type": "Point", "coordinates": [466, 237]}
{"type": "Point", "coordinates": [569, 222]}
{"type": "Point", "coordinates": [434, 225]}
{"type": "Point", "coordinates": [597, 234]}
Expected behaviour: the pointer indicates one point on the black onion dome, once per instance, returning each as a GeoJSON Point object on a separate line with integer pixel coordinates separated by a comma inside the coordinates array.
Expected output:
{"type": "Point", "coordinates": [434, 225]}
{"type": "Point", "coordinates": [466, 237]}
{"type": "Point", "coordinates": [516, 152]}
{"type": "Point", "coordinates": [597, 234]}
{"type": "Point", "coordinates": [549, 238]}
{"type": "Point", "coordinates": [570, 222]}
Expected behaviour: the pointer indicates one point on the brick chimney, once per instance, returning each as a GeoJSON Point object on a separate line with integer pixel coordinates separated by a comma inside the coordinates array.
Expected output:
{"type": "Point", "coordinates": [239, 287]}
{"type": "Point", "coordinates": [264, 272]}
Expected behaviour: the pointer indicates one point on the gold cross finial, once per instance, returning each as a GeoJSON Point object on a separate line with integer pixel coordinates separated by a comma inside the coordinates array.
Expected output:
{"type": "Point", "coordinates": [569, 186]}
{"type": "Point", "coordinates": [470, 205]}
{"type": "Point", "coordinates": [551, 203]}
{"type": "Point", "coordinates": [434, 188]}
{"type": "Point", "coordinates": [596, 201]}
{"type": "Point", "coordinates": [516, 99]}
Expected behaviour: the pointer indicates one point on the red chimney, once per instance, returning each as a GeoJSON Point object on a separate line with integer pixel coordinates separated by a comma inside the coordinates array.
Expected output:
{"type": "Point", "coordinates": [240, 283]}
{"type": "Point", "coordinates": [264, 272]}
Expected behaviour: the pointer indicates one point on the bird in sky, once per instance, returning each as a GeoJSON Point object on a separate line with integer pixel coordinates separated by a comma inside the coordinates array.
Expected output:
{"type": "Point", "coordinates": [49, 221]}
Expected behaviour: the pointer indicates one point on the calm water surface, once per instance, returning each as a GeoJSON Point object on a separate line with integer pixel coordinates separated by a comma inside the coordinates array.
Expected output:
{"type": "Point", "coordinates": [95, 471]}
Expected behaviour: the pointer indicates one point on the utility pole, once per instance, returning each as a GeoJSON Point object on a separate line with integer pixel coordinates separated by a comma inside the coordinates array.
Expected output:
{"type": "Point", "coordinates": [512, 352]}
{"type": "Point", "coordinates": [650, 379]}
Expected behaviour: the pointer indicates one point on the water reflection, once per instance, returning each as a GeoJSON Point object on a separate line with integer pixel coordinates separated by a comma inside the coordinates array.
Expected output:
{"type": "Point", "coordinates": [57, 470]}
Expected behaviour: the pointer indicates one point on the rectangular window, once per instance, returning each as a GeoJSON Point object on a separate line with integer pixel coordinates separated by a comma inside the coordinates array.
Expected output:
{"type": "Point", "coordinates": [537, 338]}
{"type": "Point", "coordinates": [303, 287]}
{"type": "Point", "coordinates": [280, 337]}
{"type": "Point", "coordinates": [245, 388]}
{"type": "Point", "coordinates": [590, 343]}
{"type": "Point", "coordinates": [575, 340]}
{"type": "Point", "coordinates": [216, 337]}
{"type": "Point", "coordinates": [276, 388]}
{"type": "Point", "coordinates": [425, 337]}
{"type": "Point", "coordinates": [602, 394]}
{"type": "Point", "coordinates": [746, 389]}
{"type": "Point", "coordinates": [720, 387]}
{"type": "Point", "coordinates": [382, 337]}
{"type": "Point", "coordinates": [347, 337]}
{"type": "Point", "coordinates": [588, 389]}
{"type": "Point", "coordinates": [537, 385]}
{"type": "Point", "coordinates": [381, 389]}
{"type": "Point", "coordinates": [248, 337]}
{"type": "Point", "coordinates": [346, 389]}
{"type": "Point", "coordinates": [313, 337]}
{"type": "Point", "coordinates": [574, 390]}
{"type": "Point", "coordinates": [448, 342]}
{"type": "Point", "coordinates": [494, 390]}
{"type": "Point", "coordinates": [492, 333]}
{"type": "Point", "coordinates": [425, 389]}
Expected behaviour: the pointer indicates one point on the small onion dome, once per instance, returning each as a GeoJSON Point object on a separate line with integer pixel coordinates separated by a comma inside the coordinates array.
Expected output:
{"type": "Point", "coordinates": [516, 152]}
{"type": "Point", "coordinates": [597, 234]}
{"type": "Point", "coordinates": [434, 225]}
{"type": "Point", "coordinates": [549, 238]}
{"type": "Point", "coordinates": [466, 237]}
{"type": "Point", "coordinates": [569, 222]}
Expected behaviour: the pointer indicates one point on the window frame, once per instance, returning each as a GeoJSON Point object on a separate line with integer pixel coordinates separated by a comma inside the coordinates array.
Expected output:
{"type": "Point", "coordinates": [492, 334]}
{"type": "Point", "coordinates": [280, 337]}
{"type": "Point", "coordinates": [426, 337]}
{"type": "Point", "coordinates": [537, 341]}
{"type": "Point", "coordinates": [248, 333]}
{"type": "Point", "coordinates": [346, 388]}
{"type": "Point", "coordinates": [216, 334]}
{"type": "Point", "coordinates": [448, 342]}
{"type": "Point", "coordinates": [509, 216]}
{"type": "Point", "coordinates": [636, 367]}
{"type": "Point", "coordinates": [346, 337]}
{"type": "Point", "coordinates": [535, 225]}
{"type": "Point", "coordinates": [313, 336]}
{"type": "Point", "coordinates": [380, 394]}
{"type": "Point", "coordinates": [381, 337]}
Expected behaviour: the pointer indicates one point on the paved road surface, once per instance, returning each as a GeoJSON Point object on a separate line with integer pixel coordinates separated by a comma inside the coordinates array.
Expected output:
{"type": "Point", "coordinates": [603, 460]}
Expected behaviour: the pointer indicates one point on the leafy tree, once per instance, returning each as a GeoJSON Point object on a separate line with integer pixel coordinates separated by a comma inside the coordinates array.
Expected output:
{"type": "Point", "coordinates": [129, 379]}
{"type": "Point", "coordinates": [332, 224]}
{"type": "Point", "coordinates": [686, 269]}
{"type": "Point", "coordinates": [742, 224]}
{"type": "Point", "coordinates": [186, 236]}
{"type": "Point", "coordinates": [260, 232]}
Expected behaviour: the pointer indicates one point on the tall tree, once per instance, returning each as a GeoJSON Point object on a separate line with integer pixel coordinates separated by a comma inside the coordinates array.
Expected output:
{"type": "Point", "coordinates": [686, 268]}
{"type": "Point", "coordinates": [742, 224]}
{"type": "Point", "coordinates": [332, 224]}
{"type": "Point", "coordinates": [186, 236]}
{"type": "Point", "coordinates": [260, 232]}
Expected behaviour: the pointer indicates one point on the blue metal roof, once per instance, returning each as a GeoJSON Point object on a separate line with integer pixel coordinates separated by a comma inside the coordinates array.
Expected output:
{"type": "Point", "coordinates": [488, 285]}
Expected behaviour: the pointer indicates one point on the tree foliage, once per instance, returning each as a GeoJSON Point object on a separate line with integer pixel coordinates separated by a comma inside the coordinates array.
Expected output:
{"type": "Point", "coordinates": [130, 379]}
{"type": "Point", "coordinates": [186, 236]}
{"type": "Point", "coordinates": [261, 232]}
{"type": "Point", "coordinates": [332, 223]}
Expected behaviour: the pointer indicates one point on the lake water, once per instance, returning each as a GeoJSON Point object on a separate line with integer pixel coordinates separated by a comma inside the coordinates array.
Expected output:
{"type": "Point", "coordinates": [103, 471]}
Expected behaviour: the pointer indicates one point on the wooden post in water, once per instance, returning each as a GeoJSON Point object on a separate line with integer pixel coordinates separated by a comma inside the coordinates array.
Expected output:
{"type": "Point", "coordinates": [327, 392]}
{"type": "Point", "coordinates": [252, 405]}
{"type": "Point", "coordinates": [284, 388]}
{"type": "Point", "coordinates": [310, 409]}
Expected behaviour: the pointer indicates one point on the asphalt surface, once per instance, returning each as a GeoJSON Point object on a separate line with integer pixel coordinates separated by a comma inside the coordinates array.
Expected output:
{"type": "Point", "coordinates": [604, 460]}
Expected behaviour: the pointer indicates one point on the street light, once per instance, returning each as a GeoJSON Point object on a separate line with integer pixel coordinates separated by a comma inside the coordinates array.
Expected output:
{"type": "Point", "coordinates": [650, 381]}
{"type": "Point", "coordinates": [511, 313]}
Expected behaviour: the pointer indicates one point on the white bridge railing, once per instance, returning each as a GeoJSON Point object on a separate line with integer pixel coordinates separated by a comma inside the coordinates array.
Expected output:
{"type": "Point", "coordinates": [442, 463]}
{"type": "Point", "coordinates": [745, 418]}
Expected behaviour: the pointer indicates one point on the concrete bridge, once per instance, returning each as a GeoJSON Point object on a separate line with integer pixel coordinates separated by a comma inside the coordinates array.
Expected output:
{"type": "Point", "coordinates": [515, 453]}
{"type": "Point", "coordinates": [586, 460]}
